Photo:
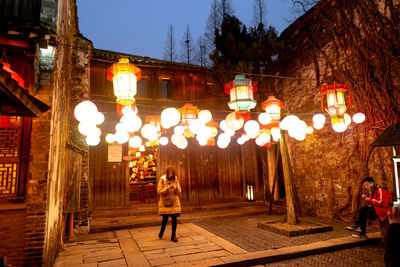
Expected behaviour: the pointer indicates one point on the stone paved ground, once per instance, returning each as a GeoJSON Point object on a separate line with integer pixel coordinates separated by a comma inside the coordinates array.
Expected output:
{"type": "Point", "coordinates": [363, 256]}
{"type": "Point", "coordinates": [243, 232]}
{"type": "Point", "coordinates": [214, 241]}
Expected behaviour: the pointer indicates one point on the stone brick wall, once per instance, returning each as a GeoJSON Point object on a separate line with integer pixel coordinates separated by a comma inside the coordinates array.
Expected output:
{"type": "Point", "coordinates": [328, 166]}
{"type": "Point", "coordinates": [12, 229]}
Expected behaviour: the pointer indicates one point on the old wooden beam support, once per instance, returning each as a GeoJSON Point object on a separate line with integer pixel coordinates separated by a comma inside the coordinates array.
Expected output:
{"type": "Point", "coordinates": [288, 181]}
{"type": "Point", "coordinates": [275, 175]}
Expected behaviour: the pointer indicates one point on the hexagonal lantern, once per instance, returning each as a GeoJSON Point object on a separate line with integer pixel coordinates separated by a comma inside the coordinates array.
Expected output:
{"type": "Point", "coordinates": [335, 99]}
{"type": "Point", "coordinates": [241, 93]}
{"type": "Point", "coordinates": [124, 76]}
{"type": "Point", "coordinates": [273, 107]}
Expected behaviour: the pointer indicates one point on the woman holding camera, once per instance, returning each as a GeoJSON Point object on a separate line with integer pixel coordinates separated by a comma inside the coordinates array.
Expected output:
{"type": "Point", "coordinates": [169, 204]}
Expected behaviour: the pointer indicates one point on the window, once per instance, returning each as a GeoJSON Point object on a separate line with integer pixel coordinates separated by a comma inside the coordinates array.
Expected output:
{"type": "Point", "coordinates": [13, 133]}
{"type": "Point", "coordinates": [142, 88]}
{"type": "Point", "coordinates": [166, 88]}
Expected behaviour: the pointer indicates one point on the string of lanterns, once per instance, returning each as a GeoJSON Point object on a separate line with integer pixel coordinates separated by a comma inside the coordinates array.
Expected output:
{"type": "Point", "coordinates": [189, 122]}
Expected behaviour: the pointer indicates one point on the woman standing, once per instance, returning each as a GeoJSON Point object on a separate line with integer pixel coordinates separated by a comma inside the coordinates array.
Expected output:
{"type": "Point", "coordinates": [169, 203]}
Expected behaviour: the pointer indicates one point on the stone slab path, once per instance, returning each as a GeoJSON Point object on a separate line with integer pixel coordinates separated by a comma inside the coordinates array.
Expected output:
{"type": "Point", "coordinates": [196, 247]}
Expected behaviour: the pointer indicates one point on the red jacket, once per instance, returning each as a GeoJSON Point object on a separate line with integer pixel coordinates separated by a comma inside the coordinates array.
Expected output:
{"type": "Point", "coordinates": [380, 200]}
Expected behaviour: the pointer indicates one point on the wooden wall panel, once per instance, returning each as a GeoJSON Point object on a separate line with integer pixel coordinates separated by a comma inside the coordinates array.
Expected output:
{"type": "Point", "coordinates": [107, 180]}
{"type": "Point", "coordinates": [212, 175]}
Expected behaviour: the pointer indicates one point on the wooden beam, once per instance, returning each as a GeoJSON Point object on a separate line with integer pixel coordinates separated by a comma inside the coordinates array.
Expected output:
{"type": "Point", "coordinates": [287, 177]}
{"type": "Point", "coordinates": [275, 175]}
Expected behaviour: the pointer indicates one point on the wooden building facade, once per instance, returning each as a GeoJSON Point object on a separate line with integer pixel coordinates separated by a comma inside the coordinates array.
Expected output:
{"type": "Point", "coordinates": [207, 174]}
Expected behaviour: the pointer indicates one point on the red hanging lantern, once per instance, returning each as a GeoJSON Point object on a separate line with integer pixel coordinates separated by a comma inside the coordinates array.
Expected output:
{"type": "Point", "coordinates": [335, 99]}
{"type": "Point", "coordinates": [124, 76]}
{"type": "Point", "coordinates": [188, 113]}
{"type": "Point", "coordinates": [241, 93]}
{"type": "Point", "coordinates": [273, 106]}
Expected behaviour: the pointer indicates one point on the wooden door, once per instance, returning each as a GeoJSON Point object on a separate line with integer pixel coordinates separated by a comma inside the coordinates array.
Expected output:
{"type": "Point", "coordinates": [108, 180]}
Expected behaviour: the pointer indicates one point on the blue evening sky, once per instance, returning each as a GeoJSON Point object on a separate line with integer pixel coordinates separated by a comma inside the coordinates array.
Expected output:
{"type": "Point", "coordinates": [139, 27]}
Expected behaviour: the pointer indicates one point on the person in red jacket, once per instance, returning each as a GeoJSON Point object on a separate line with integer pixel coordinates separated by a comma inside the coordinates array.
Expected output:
{"type": "Point", "coordinates": [377, 206]}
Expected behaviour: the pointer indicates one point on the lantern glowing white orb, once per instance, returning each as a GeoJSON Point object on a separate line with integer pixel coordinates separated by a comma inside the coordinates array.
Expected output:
{"type": "Point", "coordinates": [338, 124]}
{"type": "Point", "coordinates": [179, 130]}
{"type": "Point", "coordinates": [359, 117]}
{"type": "Point", "coordinates": [120, 127]}
{"type": "Point", "coordinates": [265, 138]}
{"type": "Point", "coordinates": [300, 136]}
{"type": "Point", "coordinates": [319, 119]}
{"type": "Point", "coordinates": [223, 125]}
{"type": "Point", "coordinates": [202, 141]}
{"type": "Point", "coordinates": [222, 143]}
{"type": "Point", "coordinates": [121, 137]}
{"type": "Point", "coordinates": [347, 119]}
{"type": "Point", "coordinates": [309, 130]}
{"type": "Point", "coordinates": [195, 125]}
{"type": "Point", "coordinates": [251, 128]}
{"type": "Point", "coordinates": [86, 127]}
{"type": "Point", "coordinates": [318, 126]}
{"type": "Point", "coordinates": [170, 117]}
{"type": "Point", "coordinates": [110, 138]}
{"type": "Point", "coordinates": [259, 142]}
{"type": "Point", "coordinates": [234, 121]}
{"type": "Point", "coordinates": [264, 118]}
{"type": "Point", "coordinates": [182, 143]}
{"type": "Point", "coordinates": [205, 116]}
{"type": "Point", "coordinates": [135, 142]}
{"type": "Point", "coordinates": [149, 131]}
{"type": "Point", "coordinates": [96, 132]}
{"type": "Point", "coordinates": [92, 140]}
{"type": "Point", "coordinates": [132, 123]}
{"type": "Point", "coordinates": [276, 131]}
{"type": "Point", "coordinates": [99, 119]}
{"type": "Point", "coordinates": [288, 122]}
{"type": "Point", "coordinates": [240, 141]}
{"type": "Point", "coordinates": [163, 141]}
{"type": "Point", "coordinates": [205, 132]}
{"type": "Point", "coordinates": [85, 111]}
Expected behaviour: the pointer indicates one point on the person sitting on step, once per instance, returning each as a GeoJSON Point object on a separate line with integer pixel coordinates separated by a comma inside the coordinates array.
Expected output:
{"type": "Point", "coordinates": [377, 205]}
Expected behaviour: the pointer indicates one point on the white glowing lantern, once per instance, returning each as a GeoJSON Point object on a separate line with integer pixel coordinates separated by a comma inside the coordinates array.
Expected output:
{"type": "Point", "coordinates": [142, 148]}
{"type": "Point", "coordinates": [347, 119]}
{"type": "Point", "coordinates": [264, 118]}
{"type": "Point", "coordinates": [205, 132]}
{"type": "Point", "coordinates": [338, 124]}
{"type": "Point", "coordinates": [96, 132]}
{"type": "Point", "coordinates": [318, 126]}
{"type": "Point", "coordinates": [120, 127]}
{"type": "Point", "coordinates": [223, 125]}
{"type": "Point", "coordinates": [265, 138]}
{"type": "Point", "coordinates": [224, 138]}
{"type": "Point", "coordinates": [132, 123]}
{"type": "Point", "coordinates": [259, 141]}
{"type": "Point", "coordinates": [149, 131]}
{"type": "Point", "coordinates": [240, 141]}
{"type": "Point", "coordinates": [121, 137]}
{"type": "Point", "coordinates": [234, 121]}
{"type": "Point", "coordinates": [163, 141]}
{"type": "Point", "coordinates": [288, 122]}
{"type": "Point", "coordinates": [251, 128]}
{"type": "Point", "coordinates": [309, 130]}
{"type": "Point", "coordinates": [92, 140]}
{"type": "Point", "coordinates": [359, 117]}
{"type": "Point", "coordinates": [135, 141]}
{"type": "Point", "coordinates": [170, 117]}
{"type": "Point", "coordinates": [99, 119]}
{"type": "Point", "coordinates": [245, 137]}
{"type": "Point", "coordinates": [300, 136]}
{"type": "Point", "coordinates": [205, 116]}
{"type": "Point", "coordinates": [276, 133]}
{"type": "Point", "coordinates": [179, 130]}
{"type": "Point", "coordinates": [85, 111]}
{"type": "Point", "coordinates": [202, 140]}
{"type": "Point", "coordinates": [86, 127]}
{"type": "Point", "coordinates": [319, 119]}
{"type": "Point", "coordinates": [110, 138]}
{"type": "Point", "coordinates": [230, 132]}
{"type": "Point", "coordinates": [182, 143]}
{"type": "Point", "coordinates": [195, 125]}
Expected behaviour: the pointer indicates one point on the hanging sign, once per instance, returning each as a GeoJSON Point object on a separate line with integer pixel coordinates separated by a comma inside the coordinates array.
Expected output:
{"type": "Point", "coordinates": [114, 153]}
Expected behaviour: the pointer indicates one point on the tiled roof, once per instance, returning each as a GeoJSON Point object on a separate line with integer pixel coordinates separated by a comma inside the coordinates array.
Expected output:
{"type": "Point", "coordinates": [390, 137]}
{"type": "Point", "coordinates": [139, 60]}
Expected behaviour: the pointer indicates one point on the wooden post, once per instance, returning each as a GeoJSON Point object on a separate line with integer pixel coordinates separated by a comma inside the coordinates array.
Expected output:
{"type": "Point", "coordinates": [274, 178]}
{"type": "Point", "coordinates": [273, 160]}
{"type": "Point", "coordinates": [287, 174]}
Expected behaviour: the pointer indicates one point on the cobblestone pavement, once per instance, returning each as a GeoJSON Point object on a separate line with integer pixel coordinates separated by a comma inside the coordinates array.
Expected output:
{"type": "Point", "coordinates": [364, 256]}
{"type": "Point", "coordinates": [243, 232]}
